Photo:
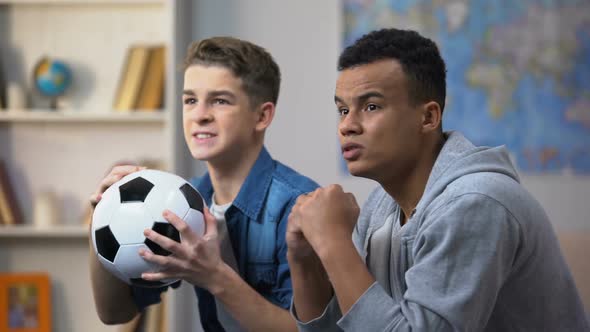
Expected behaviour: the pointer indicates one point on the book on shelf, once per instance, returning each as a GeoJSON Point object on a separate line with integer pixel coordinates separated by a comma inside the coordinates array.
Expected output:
{"type": "Point", "coordinates": [134, 325]}
{"type": "Point", "coordinates": [153, 317]}
{"type": "Point", "coordinates": [151, 93]}
{"type": "Point", "coordinates": [10, 212]}
{"type": "Point", "coordinates": [141, 84]}
{"type": "Point", "coordinates": [3, 103]}
{"type": "Point", "coordinates": [131, 78]}
{"type": "Point", "coordinates": [163, 316]}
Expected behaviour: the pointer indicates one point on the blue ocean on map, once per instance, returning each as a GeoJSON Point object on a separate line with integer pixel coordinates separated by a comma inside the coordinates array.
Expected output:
{"type": "Point", "coordinates": [518, 71]}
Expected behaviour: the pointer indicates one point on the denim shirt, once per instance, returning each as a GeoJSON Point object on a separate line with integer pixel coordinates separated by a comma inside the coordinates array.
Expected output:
{"type": "Point", "coordinates": [256, 222]}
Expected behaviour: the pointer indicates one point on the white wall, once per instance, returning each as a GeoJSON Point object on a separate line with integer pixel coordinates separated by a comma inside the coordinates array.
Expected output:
{"type": "Point", "coordinates": [304, 37]}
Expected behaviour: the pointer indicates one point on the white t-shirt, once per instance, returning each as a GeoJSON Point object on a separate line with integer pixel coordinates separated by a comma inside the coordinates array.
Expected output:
{"type": "Point", "coordinates": [218, 211]}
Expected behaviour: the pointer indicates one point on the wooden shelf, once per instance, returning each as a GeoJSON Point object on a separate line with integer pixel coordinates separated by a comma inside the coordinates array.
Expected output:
{"type": "Point", "coordinates": [82, 2]}
{"type": "Point", "coordinates": [34, 232]}
{"type": "Point", "coordinates": [90, 117]}
{"type": "Point", "coordinates": [68, 151]}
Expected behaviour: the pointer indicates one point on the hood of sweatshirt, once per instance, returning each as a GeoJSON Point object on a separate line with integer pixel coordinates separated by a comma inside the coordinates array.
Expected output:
{"type": "Point", "coordinates": [459, 157]}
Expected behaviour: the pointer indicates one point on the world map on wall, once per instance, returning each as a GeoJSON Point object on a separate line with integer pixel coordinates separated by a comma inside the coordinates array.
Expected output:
{"type": "Point", "coordinates": [518, 72]}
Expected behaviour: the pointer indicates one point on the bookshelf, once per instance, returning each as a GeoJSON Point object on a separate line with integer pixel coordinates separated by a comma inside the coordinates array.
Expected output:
{"type": "Point", "coordinates": [23, 232]}
{"type": "Point", "coordinates": [69, 150]}
{"type": "Point", "coordinates": [49, 116]}
{"type": "Point", "coordinates": [81, 2]}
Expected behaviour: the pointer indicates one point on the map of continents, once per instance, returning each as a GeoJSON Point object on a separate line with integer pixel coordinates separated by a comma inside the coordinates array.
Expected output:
{"type": "Point", "coordinates": [518, 71]}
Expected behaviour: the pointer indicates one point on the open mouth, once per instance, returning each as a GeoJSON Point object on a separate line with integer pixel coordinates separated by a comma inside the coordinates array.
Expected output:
{"type": "Point", "coordinates": [203, 135]}
{"type": "Point", "coordinates": [351, 151]}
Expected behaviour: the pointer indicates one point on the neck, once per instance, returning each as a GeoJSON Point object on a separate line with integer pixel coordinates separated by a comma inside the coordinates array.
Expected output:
{"type": "Point", "coordinates": [407, 189]}
{"type": "Point", "coordinates": [228, 176]}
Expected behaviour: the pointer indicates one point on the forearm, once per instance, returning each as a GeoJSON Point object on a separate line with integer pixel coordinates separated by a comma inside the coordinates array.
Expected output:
{"type": "Point", "coordinates": [347, 272]}
{"type": "Point", "coordinates": [112, 297]}
{"type": "Point", "coordinates": [311, 287]}
{"type": "Point", "coordinates": [250, 309]}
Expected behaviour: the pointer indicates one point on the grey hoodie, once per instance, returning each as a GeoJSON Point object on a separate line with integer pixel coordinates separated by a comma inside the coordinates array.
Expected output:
{"type": "Point", "coordinates": [478, 254]}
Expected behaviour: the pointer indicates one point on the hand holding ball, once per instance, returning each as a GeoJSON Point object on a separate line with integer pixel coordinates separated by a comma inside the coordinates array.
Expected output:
{"type": "Point", "coordinates": [131, 205]}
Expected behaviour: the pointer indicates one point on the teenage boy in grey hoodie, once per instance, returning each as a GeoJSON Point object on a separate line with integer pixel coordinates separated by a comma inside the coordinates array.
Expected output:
{"type": "Point", "coordinates": [449, 241]}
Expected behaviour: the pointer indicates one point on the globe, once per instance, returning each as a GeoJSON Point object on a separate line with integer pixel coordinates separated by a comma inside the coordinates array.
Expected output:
{"type": "Point", "coordinates": [52, 77]}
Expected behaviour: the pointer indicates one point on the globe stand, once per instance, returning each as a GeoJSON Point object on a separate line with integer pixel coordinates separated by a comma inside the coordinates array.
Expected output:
{"type": "Point", "coordinates": [53, 103]}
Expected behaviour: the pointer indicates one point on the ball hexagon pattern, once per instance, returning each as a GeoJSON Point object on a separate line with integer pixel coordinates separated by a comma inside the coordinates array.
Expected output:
{"type": "Point", "coordinates": [132, 204]}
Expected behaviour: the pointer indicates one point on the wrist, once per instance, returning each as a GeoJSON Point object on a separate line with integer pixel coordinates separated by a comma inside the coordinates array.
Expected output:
{"type": "Point", "coordinates": [294, 256]}
{"type": "Point", "coordinates": [335, 250]}
{"type": "Point", "coordinates": [304, 263]}
{"type": "Point", "coordinates": [218, 279]}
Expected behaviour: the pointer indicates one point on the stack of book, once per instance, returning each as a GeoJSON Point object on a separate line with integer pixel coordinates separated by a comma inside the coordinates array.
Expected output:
{"type": "Point", "coordinates": [141, 84]}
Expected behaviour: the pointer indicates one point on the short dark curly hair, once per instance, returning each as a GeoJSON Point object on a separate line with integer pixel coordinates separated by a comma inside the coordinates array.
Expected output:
{"type": "Point", "coordinates": [260, 74]}
{"type": "Point", "coordinates": [418, 56]}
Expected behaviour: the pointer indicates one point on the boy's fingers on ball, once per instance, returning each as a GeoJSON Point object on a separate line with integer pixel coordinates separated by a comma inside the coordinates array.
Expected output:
{"type": "Point", "coordinates": [125, 169]}
{"type": "Point", "coordinates": [94, 199]}
{"type": "Point", "coordinates": [117, 228]}
{"type": "Point", "coordinates": [117, 174]}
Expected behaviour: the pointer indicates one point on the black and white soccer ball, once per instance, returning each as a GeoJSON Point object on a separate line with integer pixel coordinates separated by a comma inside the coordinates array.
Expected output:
{"type": "Point", "coordinates": [131, 205]}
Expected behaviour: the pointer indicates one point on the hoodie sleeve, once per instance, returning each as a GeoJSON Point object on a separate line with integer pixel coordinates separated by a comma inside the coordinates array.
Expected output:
{"type": "Point", "coordinates": [327, 320]}
{"type": "Point", "coordinates": [462, 255]}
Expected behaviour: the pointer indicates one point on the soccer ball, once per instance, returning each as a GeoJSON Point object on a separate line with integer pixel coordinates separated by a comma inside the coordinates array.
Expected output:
{"type": "Point", "coordinates": [131, 205]}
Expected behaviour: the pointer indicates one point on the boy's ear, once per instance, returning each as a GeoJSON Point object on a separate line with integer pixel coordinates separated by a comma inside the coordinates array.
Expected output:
{"type": "Point", "coordinates": [431, 116]}
{"type": "Point", "coordinates": [265, 113]}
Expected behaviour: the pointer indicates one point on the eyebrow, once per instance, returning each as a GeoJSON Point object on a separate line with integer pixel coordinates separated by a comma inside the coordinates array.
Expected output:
{"type": "Point", "coordinates": [362, 98]}
{"type": "Point", "coordinates": [216, 93]}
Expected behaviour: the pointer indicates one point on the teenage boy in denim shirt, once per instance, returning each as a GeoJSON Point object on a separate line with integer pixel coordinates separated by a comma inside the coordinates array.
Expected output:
{"type": "Point", "coordinates": [239, 266]}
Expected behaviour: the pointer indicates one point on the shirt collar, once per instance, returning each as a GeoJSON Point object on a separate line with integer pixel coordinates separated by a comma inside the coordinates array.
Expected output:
{"type": "Point", "coordinates": [252, 194]}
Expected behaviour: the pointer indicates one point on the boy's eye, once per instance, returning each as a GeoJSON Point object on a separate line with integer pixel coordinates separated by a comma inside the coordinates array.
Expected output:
{"type": "Point", "coordinates": [189, 101]}
{"type": "Point", "coordinates": [343, 111]}
{"type": "Point", "coordinates": [372, 107]}
{"type": "Point", "coordinates": [220, 101]}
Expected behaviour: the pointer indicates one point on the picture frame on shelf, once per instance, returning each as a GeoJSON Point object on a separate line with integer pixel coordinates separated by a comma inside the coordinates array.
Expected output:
{"type": "Point", "coordinates": [25, 302]}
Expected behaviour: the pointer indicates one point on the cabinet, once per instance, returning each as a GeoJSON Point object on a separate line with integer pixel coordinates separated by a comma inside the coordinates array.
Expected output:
{"type": "Point", "coordinates": [68, 152]}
